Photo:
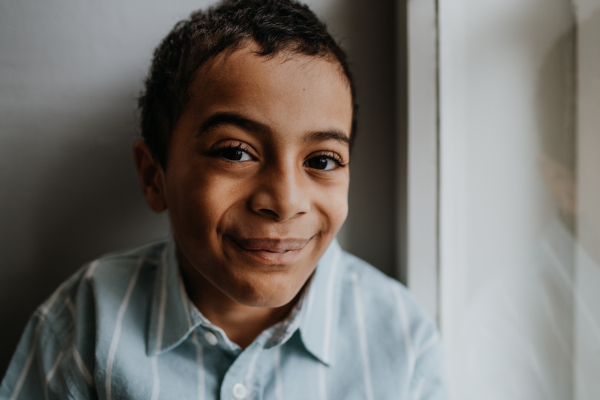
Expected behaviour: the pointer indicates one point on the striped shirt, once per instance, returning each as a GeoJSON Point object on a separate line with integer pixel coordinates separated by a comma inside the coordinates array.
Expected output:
{"type": "Point", "coordinates": [123, 327]}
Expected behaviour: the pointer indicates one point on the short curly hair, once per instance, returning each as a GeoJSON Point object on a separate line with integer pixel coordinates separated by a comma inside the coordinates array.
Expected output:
{"type": "Point", "coordinates": [274, 25]}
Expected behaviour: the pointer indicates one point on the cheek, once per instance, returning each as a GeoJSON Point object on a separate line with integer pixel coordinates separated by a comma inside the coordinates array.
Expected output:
{"type": "Point", "coordinates": [199, 201]}
{"type": "Point", "coordinates": [339, 212]}
{"type": "Point", "coordinates": [333, 205]}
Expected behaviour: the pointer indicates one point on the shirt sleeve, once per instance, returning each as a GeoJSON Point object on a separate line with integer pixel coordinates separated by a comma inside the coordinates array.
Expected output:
{"type": "Point", "coordinates": [428, 381]}
{"type": "Point", "coordinates": [39, 368]}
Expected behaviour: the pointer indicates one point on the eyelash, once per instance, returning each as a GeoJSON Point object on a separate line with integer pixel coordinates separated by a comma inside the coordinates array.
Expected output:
{"type": "Point", "coordinates": [331, 155]}
{"type": "Point", "coordinates": [240, 146]}
{"type": "Point", "coordinates": [243, 147]}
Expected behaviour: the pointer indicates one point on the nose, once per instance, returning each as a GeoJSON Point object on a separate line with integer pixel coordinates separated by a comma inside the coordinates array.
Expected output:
{"type": "Point", "coordinates": [282, 192]}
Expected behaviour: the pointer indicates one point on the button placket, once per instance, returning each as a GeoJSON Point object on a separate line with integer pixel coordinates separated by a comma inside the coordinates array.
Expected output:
{"type": "Point", "coordinates": [240, 381]}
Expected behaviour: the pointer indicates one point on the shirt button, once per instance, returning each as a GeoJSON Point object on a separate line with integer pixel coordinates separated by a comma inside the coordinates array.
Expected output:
{"type": "Point", "coordinates": [211, 338]}
{"type": "Point", "coordinates": [239, 391]}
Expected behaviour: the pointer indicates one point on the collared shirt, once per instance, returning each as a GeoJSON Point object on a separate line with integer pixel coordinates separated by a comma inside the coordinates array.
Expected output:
{"type": "Point", "coordinates": [123, 327]}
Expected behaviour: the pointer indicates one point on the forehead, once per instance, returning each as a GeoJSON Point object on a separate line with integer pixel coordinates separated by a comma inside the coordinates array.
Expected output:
{"type": "Point", "coordinates": [282, 89]}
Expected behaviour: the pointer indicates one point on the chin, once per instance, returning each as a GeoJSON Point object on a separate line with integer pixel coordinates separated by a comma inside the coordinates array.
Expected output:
{"type": "Point", "coordinates": [266, 292]}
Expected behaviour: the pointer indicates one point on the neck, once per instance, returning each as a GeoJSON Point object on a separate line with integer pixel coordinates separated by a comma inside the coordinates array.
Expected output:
{"type": "Point", "coordinates": [242, 324]}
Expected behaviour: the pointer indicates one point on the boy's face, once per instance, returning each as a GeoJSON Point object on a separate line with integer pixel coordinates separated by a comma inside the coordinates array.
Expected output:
{"type": "Point", "coordinates": [257, 179]}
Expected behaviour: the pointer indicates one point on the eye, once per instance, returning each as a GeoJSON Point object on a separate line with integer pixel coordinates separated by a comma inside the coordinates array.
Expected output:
{"type": "Point", "coordinates": [233, 153]}
{"type": "Point", "coordinates": [323, 163]}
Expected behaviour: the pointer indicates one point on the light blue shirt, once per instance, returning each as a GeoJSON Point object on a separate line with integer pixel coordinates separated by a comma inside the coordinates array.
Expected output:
{"type": "Point", "coordinates": [123, 327]}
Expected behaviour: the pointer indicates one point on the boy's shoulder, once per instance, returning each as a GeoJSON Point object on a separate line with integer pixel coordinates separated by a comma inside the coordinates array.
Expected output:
{"type": "Point", "coordinates": [376, 315]}
{"type": "Point", "coordinates": [98, 284]}
{"type": "Point", "coordinates": [81, 315]}
{"type": "Point", "coordinates": [386, 300]}
{"type": "Point", "coordinates": [374, 282]}
{"type": "Point", "coordinates": [113, 266]}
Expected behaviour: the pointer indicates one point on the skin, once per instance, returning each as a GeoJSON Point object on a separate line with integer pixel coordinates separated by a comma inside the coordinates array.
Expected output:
{"type": "Point", "coordinates": [256, 183]}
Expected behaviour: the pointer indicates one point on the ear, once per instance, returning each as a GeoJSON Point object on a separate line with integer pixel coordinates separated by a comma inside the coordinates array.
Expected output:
{"type": "Point", "coordinates": [151, 176]}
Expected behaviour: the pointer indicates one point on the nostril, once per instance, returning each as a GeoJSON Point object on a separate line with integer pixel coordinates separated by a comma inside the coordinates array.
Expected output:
{"type": "Point", "coordinates": [269, 212]}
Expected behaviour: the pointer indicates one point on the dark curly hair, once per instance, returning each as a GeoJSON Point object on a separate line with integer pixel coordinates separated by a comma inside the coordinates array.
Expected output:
{"type": "Point", "coordinates": [274, 25]}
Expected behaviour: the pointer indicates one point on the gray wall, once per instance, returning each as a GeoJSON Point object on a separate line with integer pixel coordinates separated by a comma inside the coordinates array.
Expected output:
{"type": "Point", "coordinates": [70, 71]}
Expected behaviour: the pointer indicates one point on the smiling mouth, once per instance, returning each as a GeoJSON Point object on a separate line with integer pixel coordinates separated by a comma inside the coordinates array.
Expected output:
{"type": "Point", "coordinates": [271, 251]}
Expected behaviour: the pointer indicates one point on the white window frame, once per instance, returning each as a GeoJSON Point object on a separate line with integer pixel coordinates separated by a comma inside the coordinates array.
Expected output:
{"type": "Point", "coordinates": [419, 268]}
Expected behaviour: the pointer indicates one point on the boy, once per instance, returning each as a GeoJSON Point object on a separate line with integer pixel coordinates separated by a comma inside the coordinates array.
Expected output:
{"type": "Point", "coordinates": [247, 122]}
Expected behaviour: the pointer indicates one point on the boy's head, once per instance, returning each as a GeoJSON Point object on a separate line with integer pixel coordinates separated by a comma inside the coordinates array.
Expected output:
{"type": "Point", "coordinates": [273, 25]}
{"type": "Point", "coordinates": [247, 121]}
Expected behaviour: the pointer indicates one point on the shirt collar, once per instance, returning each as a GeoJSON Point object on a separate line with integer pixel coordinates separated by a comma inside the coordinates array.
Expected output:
{"type": "Point", "coordinates": [172, 319]}
{"type": "Point", "coordinates": [320, 309]}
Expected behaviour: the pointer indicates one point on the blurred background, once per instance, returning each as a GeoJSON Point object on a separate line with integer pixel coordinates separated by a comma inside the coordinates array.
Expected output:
{"type": "Point", "coordinates": [474, 179]}
{"type": "Point", "coordinates": [70, 73]}
{"type": "Point", "coordinates": [519, 211]}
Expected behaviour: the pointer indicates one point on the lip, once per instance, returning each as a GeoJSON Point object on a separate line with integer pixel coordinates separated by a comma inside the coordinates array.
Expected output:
{"type": "Point", "coordinates": [271, 251]}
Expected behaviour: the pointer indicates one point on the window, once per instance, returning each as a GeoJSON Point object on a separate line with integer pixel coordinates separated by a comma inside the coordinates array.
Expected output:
{"type": "Point", "coordinates": [514, 219]}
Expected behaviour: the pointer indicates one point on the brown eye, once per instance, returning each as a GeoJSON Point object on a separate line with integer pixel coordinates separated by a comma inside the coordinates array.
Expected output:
{"type": "Point", "coordinates": [234, 154]}
{"type": "Point", "coordinates": [321, 163]}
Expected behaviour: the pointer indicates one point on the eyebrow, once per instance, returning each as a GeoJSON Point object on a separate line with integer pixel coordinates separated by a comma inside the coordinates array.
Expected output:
{"type": "Point", "coordinates": [235, 119]}
{"type": "Point", "coordinates": [231, 118]}
{"type": "Point", "coordinates": [323, 136]}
